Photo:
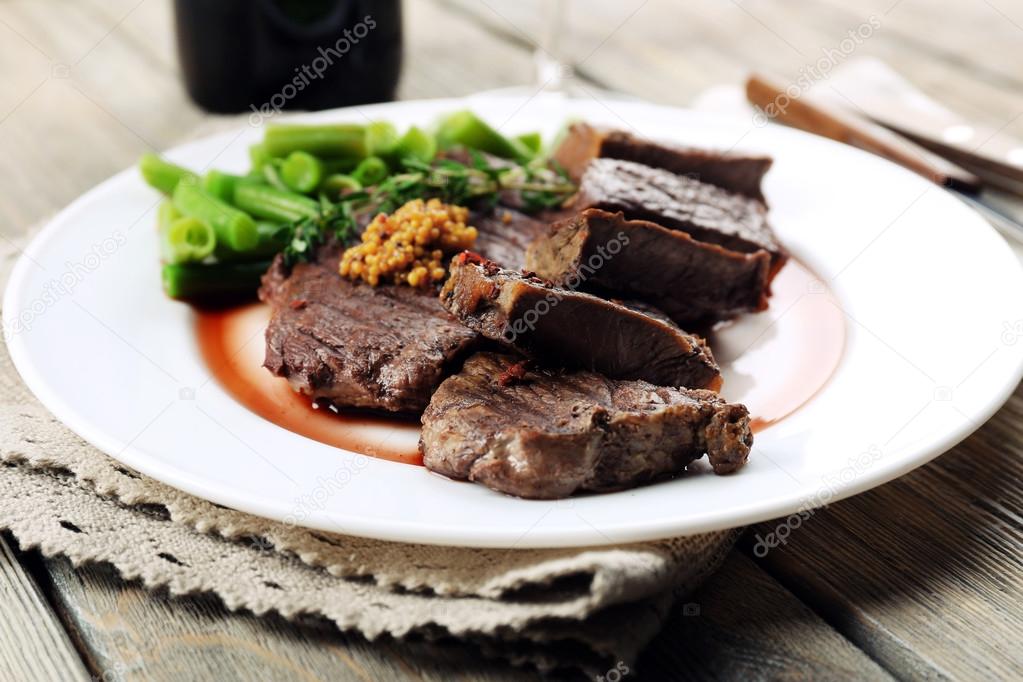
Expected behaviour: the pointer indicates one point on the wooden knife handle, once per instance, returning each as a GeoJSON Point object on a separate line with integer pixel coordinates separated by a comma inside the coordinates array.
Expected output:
{"type": "Point", "coordinates": [804, 113]}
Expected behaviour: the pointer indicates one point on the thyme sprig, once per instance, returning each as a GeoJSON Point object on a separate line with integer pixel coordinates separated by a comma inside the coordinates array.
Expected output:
{"type": "Point", "coordinates": [480, 184]}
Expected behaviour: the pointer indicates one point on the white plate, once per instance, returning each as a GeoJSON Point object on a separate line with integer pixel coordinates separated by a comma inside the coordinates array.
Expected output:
{"type": "Point", "coordinates": [931, 294]}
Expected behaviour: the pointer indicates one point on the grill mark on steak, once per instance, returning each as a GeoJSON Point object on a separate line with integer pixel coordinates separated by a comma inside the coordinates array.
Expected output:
{"type": "Point", "coordinates": [693, 282]}
{"type": "Point", "coordinates": [573, 329]}
{"type": "Point", "coordinates": [384, 348]}
{"type": "Point", "coordinates": [740, 173]}
{"type": "Point", "coordinates": [554, 434]}
{"type": "Point", "coordinates": [707, 213]}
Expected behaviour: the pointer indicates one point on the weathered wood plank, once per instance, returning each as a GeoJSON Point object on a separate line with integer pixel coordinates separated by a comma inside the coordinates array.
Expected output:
{"type": "Point", "coordinates": [925, 573]}
{"type": "Point", "coordinates": [135, 634]}
{"type": "Point", "coordinates": [671, 51]}
{"type": "Point", "coordinates": [742, 625]}
{"type": "Point", "coordinates": [33, 642]}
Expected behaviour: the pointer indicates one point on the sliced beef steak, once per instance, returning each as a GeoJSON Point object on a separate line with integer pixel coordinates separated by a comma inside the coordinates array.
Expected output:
{"type": "Point", "coordinates": [385, 348]}
{"type": "Point", "coordinates": [565, 328]}
{"type": "Point", "coordinates": [691, 281]}
{"type": "Point", "coordinates": [548, 434]}
{"type": "Point", "coordinates": [504, 234]}
{"type": "Point", "coordinates": [738, 173]}
{"type": "Point", "coordinates": [707, 213]}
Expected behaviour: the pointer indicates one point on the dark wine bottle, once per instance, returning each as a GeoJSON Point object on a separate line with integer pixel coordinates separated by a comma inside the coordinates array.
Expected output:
{"type": "Point", "coordinates": [265, 56]}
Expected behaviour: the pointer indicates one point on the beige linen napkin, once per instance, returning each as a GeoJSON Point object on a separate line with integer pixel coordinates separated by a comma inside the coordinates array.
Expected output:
{"type": "Point", "coordinates": [549, 608]}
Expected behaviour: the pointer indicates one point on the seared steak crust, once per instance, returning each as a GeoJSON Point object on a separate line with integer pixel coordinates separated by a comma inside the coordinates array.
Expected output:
{"type": "Point", "coordinates": [385, 347]}
{"type": "Point", "coordinates": [707, 213]}
{"type": "Point", "coordinates": [549, 435]}
{"type": "Point", "coordinates": [565, 328]}
{"type": "Point", "coordinates": [740, 173]}
{"type": "Point", "coordinates": [692, 282]}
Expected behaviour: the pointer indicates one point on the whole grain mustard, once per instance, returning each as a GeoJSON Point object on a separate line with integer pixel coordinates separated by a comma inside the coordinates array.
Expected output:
{"type": "Point", "coordinates": [409, 245]}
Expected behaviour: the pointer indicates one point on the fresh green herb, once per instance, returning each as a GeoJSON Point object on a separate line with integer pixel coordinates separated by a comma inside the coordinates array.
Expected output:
{"type": "Point", "coordinates": [479, 184]}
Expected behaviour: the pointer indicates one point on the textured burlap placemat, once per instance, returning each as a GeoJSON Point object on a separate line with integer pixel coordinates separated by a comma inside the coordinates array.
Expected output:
{"type": "Point", "coordinates": [581, 608]}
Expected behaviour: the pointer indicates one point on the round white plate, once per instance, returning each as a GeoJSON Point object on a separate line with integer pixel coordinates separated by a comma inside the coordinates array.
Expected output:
{"type": "Point", "coordinates": [931, 296]}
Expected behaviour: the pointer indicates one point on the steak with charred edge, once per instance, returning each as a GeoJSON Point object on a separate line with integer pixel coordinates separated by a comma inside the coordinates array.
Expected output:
{"type": "Point", "coordinates": [384, 348]}
{"type": "Point", "coordinates": [550, 434]}
{"type": "Point", "coordinates": [692, 282]}
{"type": "Point", "coordinates": [707, 213]}
{"type": "Point", "coordinates": [738, 173]}
{"type": "Point", "coordinates": [564, 328]}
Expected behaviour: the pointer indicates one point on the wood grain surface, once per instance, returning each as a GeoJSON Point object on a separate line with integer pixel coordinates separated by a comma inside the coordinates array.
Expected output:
{"type": "Point", "coordinates": [920, 578]}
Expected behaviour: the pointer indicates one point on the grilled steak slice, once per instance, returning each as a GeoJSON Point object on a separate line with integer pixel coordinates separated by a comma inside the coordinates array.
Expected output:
{"type": "Point", "coordinates": [707, 213]}
{"type": "Point", "coordinates": [504, 234]}
{"type": "Point", "coordinates": [385, 347]}
{"type": "Point", "coordinates": [739, 173]}
{"type": "Point", "coordinates": [566, 328]}
{"type": "Point", "coordinates": [548, 435]}
{"type": "Point", "coordinates": [692, 282]}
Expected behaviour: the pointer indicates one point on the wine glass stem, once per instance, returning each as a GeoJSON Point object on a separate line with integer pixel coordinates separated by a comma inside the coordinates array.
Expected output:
{"type": "Point", "coordinates": [551, 66]}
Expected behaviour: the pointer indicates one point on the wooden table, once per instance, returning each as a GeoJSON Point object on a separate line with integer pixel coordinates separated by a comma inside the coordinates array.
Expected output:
{"type": "Point", "coordinates": [919, 578]}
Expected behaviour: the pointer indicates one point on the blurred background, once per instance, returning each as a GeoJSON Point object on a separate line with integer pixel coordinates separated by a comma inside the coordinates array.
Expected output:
{"type": "Point", "coordinates": [88, 85]}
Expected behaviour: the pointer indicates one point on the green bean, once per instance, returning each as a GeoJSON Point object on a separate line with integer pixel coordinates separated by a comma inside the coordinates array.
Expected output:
{"type": "Point", "coordinates": [415, 143]}
{"type": "Point", "coordinates": [336, 184]}
{"type": "Point", "coordinates": [272, 175]}
{"type": "Point", "coordinates": [468, 130]}
{"type": "Point", "coordinates": [259, 156]}
{"type": "Point", "coordinates": [531, 141]}
{"type": "Point", "coordinates": [221, 185]}
{"type": "Point", "coordinates": [272, 239]}
{"type": "Point", "coordinates": [186, 240]}
{"type": "Point", "coordinates": [370, 171]}
{"type": "Point", "coordinates": [341, 139]}
{"type": "Point", "coordinates": [274, 204]}
{"type": "Point", "coordinates": [166, 214]}
{"type": "Point", "coordinates": [381, 138]}
{"type": "Point", "coordinates": [301, 172]}
{"type": "Point", "coordinates": [160, 174]}
{"type": "Point", "coordinates": [331, 166]}
{"type": "Point", "coordinates": [196, 282]}
{"type": "Point", "coordinates": [233, 228]}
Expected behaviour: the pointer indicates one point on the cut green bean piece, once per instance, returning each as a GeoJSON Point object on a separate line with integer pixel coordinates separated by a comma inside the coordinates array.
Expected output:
{"type": "Point", "coordinates": [221, 185]}
{"type": "Point", "coordinates": [166, 214]}
{"type": "Point", "coordinates": [417, 144]}
{"type": "Point", "coordinates": [468, 130]}
{"type": "Point", "coordinates": [186, 240]}
{"type": "Point", "coordinates": [274, 204]}
{"type": "Point", "coordinates": [332, 166]}
{"type": "Point", "coordinates": [259, 156]}
{"type": "Point", "coordinates": [272, 239]}
{"type": "Point", "coordinates": [272, 175]}
{"type": "Point", "coordinates": [531, 141]}
{"type": "Point", "coordinates": [370, 171]}
{"type": "Point", "coordinates": [338, 140]}
{"type": "Point", "coordinates": [301, 172]}
{"type": "Point", "coordinates": [160, 174]}
{"type": "Point", "coordinates": [199, 283]}
{"type": "Point", "coordinates": [381, 138]}
{"type": "Point", "coordinates": [233, 228]}
{"type": "Point", "coordinates": [338, 184]}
